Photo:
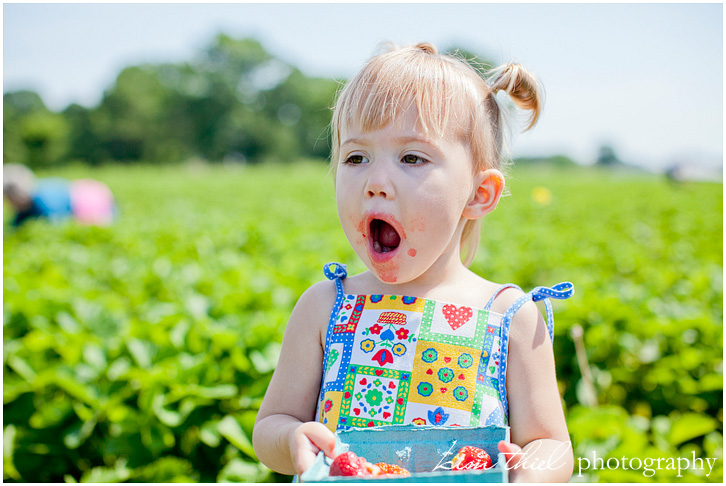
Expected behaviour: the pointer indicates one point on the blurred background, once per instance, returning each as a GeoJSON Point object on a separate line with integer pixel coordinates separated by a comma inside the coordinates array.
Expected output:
{"type": "Point", "coordinates": [140, 350]}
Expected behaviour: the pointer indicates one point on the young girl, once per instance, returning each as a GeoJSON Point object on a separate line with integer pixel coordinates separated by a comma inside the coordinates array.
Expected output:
{"type": "Point", "coordinates": [418, 338]}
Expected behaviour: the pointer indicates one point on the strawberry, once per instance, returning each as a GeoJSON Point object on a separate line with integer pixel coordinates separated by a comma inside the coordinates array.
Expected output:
{"type": "Point", "coordinates": [349, 464]}
{"type": "Point", "coordinates": [392, 469]}
{"type": "Point", "coordinates": [470, 457]}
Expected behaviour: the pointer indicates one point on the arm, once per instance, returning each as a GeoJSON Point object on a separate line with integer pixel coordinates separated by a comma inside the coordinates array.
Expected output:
{"type": "Point", "coordinates": [536, 417]}
{"type": "Point", "coordinates": [286, 437]}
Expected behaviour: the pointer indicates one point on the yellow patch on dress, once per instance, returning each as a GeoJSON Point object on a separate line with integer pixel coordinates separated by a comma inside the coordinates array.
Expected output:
{"type": "Point", "coordinates": [394, 303]}
{"type": "Point", "coordinates": [330, 409]}
{"type": "Point", "coordinates": [444, 375]}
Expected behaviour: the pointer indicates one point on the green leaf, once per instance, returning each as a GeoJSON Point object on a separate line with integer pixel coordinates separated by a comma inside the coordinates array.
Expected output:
{"type": "Point", "coordinates": [68, 323]}
{"type": "Point", "coordinates": [265, 361]}
{"type": "Point", "coordinates": [141, 351]}
{"type": "Point", "coordinates": [237, 471]}
{"type": "Point", "coordinates": [9, 470]}
{"type": "Point", "coordinates": [691, 425]}
{"type": "Point", "coordinates": [94, 355]}
{"type": "Point", "coordinates": [164, 470]}
{"type": "Point", "coordinates": [117, 474]}
{"type": "Point", "coordinates": [219, 391]}
{"type": "Point", "coordinates": [170, 417]}
{"type": "Point", "coordinates": [78, 434]}
{"type": "Point", "coordinates": [209, 434]}
{"type": "Point", "coordinates": [22, 368]}
{"type": "Point", "coordinates": [232, 431]}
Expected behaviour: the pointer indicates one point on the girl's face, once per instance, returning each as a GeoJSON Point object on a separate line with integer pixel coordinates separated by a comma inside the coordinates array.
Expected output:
{"type": "Point", "coordinates": [401, 198]}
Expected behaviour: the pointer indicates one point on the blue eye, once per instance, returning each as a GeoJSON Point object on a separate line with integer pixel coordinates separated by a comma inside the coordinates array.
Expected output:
{"type": "Point", "coordinates": [356, 159]}
{"type": "Point", "coordinates": [412, 159]}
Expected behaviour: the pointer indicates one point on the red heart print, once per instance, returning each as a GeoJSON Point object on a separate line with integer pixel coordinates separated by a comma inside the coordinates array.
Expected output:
{"type": "Point", "coordinates": [392, 385]}
{"type": "Point", "coordinates": [429, 371]}
{"type": "Point", "coordinates": [399, 401]}
{"type": "Point", "coordinates": [456, 316]}
{"type": "Point", "coordinates": [447, 360]}
{"type": "Point", "coordinates": [462, 377]}
{"type": "Point", "coordinates": [347, 394]}
{"type": "Point", "coordinates": [356, 411]}
{"type": "Point", "coordinates": [443, 390]}
{"type": "Point", "coordinates": [363, 381]}
{"type": "Point", "coordinates": [379, 372]}
{"type": "Point", "coordinates": [386, 415]}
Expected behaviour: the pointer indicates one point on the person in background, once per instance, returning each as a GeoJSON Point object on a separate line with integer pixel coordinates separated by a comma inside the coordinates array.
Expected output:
{"type": "Point", "coordinates": [87, 201]}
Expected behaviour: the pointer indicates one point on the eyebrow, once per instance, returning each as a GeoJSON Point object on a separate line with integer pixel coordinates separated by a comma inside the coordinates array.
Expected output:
{"type": "Point", "coordinates": [364, 141]}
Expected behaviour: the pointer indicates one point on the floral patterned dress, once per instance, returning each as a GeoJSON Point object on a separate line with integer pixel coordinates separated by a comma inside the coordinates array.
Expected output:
{"type": "Point", "coordinates": [393, 359]}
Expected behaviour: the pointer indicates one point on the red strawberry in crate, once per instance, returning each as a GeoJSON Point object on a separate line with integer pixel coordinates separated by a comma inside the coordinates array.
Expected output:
{"type": "Point", "coordinates": [349, 464]}
{"type": "Point", "coordinates": [392, 469]}
{"type": "Point", "coordinates": [470, 457]}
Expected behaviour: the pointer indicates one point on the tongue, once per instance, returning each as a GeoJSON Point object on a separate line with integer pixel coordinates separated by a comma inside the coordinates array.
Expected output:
{"type": "Point", "coordinates": [388, 236]}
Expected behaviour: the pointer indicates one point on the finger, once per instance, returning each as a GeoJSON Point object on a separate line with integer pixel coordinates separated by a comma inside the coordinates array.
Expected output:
{"type": "Point", "coordinates": [304, 462]}
{"type": "Point", "coordinates": [303, 453]}
{"type": "Point", "coordinates": [511, 452]}
{"type": "Point", "coordinates": [322, 437]}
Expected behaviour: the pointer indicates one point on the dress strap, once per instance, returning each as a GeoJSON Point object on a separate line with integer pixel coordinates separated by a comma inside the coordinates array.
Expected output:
{"type": "Point", "coordinates": [336, 272]}
{"type": "Point", "coordinates": [501, 289]}
{"type": "Point", "coordinates": [560, 291]}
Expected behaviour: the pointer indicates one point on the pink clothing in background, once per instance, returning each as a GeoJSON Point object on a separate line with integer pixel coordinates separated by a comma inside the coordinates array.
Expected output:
{"type": "Point", "coordinates": [91, 202]}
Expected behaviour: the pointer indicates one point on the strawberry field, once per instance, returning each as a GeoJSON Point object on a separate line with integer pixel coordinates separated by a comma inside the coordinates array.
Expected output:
{"type": "Point", "coordinates": [141, 351]}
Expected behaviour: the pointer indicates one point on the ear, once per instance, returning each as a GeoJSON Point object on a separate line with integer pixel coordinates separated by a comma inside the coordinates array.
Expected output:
{"type": "Point", "coordinates": [489, 188]}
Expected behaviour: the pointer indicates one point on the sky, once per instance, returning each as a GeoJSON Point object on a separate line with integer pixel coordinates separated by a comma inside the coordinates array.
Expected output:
{"type": "Point", "coordinates": [644, 78]}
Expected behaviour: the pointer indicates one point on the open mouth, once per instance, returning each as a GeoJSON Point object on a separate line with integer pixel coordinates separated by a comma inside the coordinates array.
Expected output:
{"type": "Point", "coordinates": [383, 237]}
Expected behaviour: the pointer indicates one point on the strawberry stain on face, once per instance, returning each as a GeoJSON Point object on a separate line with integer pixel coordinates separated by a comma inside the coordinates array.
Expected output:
{"type": "Point", "coordinates": [417, 224]}
{"type": "Point", "coordinates": [361, 232]}
{"type": "Point", "coordinates": [388, 271]}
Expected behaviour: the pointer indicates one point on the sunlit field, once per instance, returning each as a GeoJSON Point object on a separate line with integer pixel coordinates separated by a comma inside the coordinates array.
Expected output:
{"type": "Point", "coordinates": [141, 351]}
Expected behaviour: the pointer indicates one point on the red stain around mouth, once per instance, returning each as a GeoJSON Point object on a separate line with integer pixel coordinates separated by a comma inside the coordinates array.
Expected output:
{"type": "Point", "coordinates": [387, 270]}
{"type": "Point", "coordinates": [412, 252]}
{"type": "Point", "coordinates": [388, 275]}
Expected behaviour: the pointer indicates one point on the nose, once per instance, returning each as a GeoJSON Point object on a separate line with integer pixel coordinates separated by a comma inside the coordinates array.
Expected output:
{"type": "Point", "coordinates": [379, 183]}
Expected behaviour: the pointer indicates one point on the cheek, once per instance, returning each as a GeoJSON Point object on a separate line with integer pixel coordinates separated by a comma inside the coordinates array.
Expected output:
{"type": "Point", "coordinates": [417, 224]}
{"type": "Point", "coordinates": [360, 229]}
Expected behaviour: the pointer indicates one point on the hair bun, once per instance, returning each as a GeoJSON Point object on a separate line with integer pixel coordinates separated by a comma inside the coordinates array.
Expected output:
{"type": "Point", "coordinates": [427, 47]}
{"type": "Point", "coordinates": [522, 86]}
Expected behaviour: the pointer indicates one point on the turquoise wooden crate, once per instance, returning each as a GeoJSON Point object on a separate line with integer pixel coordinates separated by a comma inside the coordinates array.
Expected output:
{"type": "Point", "coordinates": [426, 451]}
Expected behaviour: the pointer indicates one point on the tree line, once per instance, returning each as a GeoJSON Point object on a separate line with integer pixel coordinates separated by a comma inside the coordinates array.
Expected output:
{"type": "Point", "coordinates": [234, 102]}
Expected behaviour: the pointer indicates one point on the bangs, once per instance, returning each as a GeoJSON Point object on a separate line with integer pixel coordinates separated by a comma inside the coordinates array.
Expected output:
{"type": "Point", "coordinates": [442, 93]}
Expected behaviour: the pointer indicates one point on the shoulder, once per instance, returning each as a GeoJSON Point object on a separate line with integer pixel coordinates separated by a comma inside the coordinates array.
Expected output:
{"type": "Point", "coordinates": [312, 310]}
{"type": "Point", "coordinates": [319, 297]}
{"type": "Point", "coordinates": [528, 325]}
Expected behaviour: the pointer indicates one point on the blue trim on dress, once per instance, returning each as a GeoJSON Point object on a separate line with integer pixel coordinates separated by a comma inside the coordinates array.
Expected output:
{"type": "Point", "coordinates": [560, 291]}
{"type": "Point", "coordinates": [336, 272]}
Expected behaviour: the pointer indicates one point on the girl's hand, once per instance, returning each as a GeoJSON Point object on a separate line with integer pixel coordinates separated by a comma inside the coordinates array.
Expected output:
{"type": "Point", "coordinates": [306, 441]}
{"type": "Point", "coordinates": [543, 460]}
{"type": "Point", "coordinates": [514, 455]}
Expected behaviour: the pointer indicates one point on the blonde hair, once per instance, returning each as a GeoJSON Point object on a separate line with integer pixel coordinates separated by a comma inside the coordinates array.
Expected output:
{"type": "Point", "coordinates": [451, 98]}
